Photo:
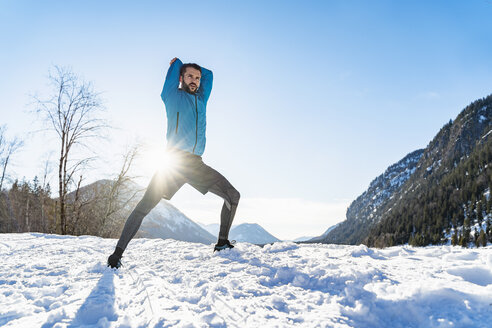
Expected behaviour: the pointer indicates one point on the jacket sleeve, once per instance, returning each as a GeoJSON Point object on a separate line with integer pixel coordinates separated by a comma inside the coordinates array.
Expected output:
{"type": "Point", "coordinates": [172, 79]}
{"type": "Point", "coordinates": [206, 83]}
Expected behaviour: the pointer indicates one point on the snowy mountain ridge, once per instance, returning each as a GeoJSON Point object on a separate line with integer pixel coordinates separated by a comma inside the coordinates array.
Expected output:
{"type": "Point", "coordinates": [252, 233]}
{"type": "Point", "coordinates": [166, 221]}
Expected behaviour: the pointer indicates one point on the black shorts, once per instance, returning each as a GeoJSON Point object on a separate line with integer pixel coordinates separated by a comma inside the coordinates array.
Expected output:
{"type": "Point", "coordinates": [186, 168]}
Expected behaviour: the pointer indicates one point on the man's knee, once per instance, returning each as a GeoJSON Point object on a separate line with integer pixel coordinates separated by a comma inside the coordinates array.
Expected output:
{"type": "Point", "coordinates": [234, 196]}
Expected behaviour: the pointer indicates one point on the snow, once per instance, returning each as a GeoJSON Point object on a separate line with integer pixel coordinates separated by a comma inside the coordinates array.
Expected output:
{"type": "Point", "coordinates": [62, 281]}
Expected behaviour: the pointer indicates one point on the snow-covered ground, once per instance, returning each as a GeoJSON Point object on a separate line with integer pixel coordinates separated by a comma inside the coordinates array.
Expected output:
{"type": "Point", "coordinates": [62, 281]}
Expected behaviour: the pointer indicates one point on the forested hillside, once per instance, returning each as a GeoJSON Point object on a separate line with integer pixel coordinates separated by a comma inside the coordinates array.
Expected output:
{"type": "Point", "coordinates": [430, 195]}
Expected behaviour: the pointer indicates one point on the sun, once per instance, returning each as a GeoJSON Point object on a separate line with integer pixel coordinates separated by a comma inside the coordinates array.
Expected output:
{"type": "Point", "coordinates": [155, 158]}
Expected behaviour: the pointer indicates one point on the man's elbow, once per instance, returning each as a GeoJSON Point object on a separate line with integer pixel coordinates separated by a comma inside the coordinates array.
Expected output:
{"type": "Point", "coordinates": [163, 94]}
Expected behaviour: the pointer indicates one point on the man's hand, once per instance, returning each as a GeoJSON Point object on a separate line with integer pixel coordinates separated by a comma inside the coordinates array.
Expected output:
{"type": "Point", "coordinates": [173, 60]}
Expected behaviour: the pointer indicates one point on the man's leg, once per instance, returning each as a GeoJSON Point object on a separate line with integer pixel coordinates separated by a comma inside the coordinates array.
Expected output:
{"type": "Point", "coordinates": [161, 186]}
{"type": "Point", "coordinates": [231, 200]}
{"type": "Point", "coordinates": [132, 224]}
{"type": "Point", "coordinates": [204, 178]}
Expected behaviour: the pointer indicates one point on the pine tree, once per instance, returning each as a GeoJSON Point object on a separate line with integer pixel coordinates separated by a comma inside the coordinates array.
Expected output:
{"type": "Point", "coordinates": [479, 213]}
{"type": "Point", "coordinates": [489, 203]}
{"type": "Point", "coordinates": [488, 230]}
{"type": "Point", "coordinates": [466, 233]}
{"type": "Point", "coordinates": [454, 238]}
{"type": "Point", "coordinates": [482, 239]}
{"type": "Point", "coordinates": [471, 210]}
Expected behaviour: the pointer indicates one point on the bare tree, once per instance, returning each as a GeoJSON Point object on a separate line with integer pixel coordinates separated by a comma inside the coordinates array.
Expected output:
{"type": "Point", "coordinates": [45, 186]}
{"type": "Point", "coordinates": [77, 206]}
{"type": "Point", "coordinates": [101, 207]}
{"type": "Point", "coordinates": [121, 194]}
{"type": "Point", "coordinates": [7, 149]}
{"type": "Point", "coordinates": [72, 112]}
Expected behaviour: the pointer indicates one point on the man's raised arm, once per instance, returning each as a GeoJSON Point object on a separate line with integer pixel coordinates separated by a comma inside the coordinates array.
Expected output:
{"type": "Point", "coordinates": [206, 83]}
{"type": "Point", "coordinates": [172, 78]}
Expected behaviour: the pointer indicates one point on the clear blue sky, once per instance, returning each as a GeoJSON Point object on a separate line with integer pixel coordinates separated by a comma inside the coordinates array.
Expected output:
{"type": "Point", "coordinates": [311, 100]}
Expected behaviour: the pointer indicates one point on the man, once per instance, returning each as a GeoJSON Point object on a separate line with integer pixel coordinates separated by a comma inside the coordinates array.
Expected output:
{"type": "Point", "coordinates": [185, 95]}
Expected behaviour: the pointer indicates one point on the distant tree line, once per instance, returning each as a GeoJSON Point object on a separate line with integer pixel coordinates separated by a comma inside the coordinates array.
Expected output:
{"type": "Point", "coordinates": [99, 209]}
{"type": "Point", "coordinates": [28, 207]}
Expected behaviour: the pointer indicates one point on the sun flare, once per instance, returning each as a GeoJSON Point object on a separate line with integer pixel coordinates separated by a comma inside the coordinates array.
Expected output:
{"type": "Point", "coordinates": [156, 158]}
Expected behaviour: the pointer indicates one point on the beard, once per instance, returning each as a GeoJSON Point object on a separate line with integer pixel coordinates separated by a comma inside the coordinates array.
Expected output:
{"type": "Point", "coordinates": [186, 87]}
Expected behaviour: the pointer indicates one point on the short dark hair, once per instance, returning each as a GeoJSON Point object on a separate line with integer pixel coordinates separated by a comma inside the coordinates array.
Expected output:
{"type": "Point", "coordinates": [183, 68]}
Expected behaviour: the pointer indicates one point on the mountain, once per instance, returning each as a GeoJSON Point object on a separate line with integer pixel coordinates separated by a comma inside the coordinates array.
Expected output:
{"type": "Point", "coordinates": [212, 228]}
{"type": "Point", "coordinates": [166, 221]}
{"type": "Point", "coordinates": [430, 191]}
{"type": "Point", "coordinates": [245, 232]}
{"type": "Point", "coordinates": [251, 233]}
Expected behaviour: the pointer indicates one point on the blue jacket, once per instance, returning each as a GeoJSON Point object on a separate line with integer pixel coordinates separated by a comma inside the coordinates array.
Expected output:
{"type": "Point", "coordinates": [186, 113]}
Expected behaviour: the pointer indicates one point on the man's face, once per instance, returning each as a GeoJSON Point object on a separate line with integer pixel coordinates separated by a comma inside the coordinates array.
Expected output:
{"type": "Point", "coordinates": [190, 80]}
